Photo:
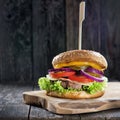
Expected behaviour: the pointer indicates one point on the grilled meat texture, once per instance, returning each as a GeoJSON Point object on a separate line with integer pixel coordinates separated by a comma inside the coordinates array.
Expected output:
{"type": "Point", "coordinates": [69, 84]}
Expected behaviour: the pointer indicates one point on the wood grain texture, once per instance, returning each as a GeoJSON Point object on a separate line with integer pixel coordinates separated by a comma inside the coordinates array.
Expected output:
{"type": "Point", "coordinates": [41, 114]}
{"type": "Point", "coordinates": [110, 42]}
{"type": "Point", "coordinates": [15, 41]}
{"type": "Point", "coordinates": [100, 30]}
{"type": "Point", "coordinates": [72, 23]}
{"type": "Point", "coordinates": [33, 32]}
{"type": "Point", "coordinates": [11, 102]}
{"type": "Point", "coordinates": [101, 34]}
{"type": "Point", "coordinates": [12, 108]}
{"type": "Point", "coordinates": [48, 33]}
{"type": "Point", "coordinates": [111, 99]}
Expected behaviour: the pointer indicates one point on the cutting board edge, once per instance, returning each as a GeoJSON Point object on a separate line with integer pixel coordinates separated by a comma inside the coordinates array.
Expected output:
{"type": "Point", "coordinates": [42, 102]}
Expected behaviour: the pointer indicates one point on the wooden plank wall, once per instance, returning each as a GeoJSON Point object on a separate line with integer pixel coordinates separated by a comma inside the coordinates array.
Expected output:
{"type": "Point", "coordinates": [100, 30]}
{"type": "Point", "coordinates": [32, 32]}
{"type": "Point", "coordinates": [48, 33]}
{"type": "Point", "coordinates": [15, 41]}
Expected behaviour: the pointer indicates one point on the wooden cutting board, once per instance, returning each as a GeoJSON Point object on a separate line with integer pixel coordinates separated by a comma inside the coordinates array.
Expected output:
{"type": "Point", "coordinates": [111, 99]}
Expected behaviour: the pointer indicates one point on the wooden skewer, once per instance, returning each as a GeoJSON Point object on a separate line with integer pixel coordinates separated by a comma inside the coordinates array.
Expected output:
{"type": "Point", "coordinates": [81, 18]}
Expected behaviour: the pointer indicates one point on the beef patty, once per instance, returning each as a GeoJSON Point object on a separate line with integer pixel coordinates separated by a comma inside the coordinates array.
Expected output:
{"type": "Point", "coordinates": [65, 83]}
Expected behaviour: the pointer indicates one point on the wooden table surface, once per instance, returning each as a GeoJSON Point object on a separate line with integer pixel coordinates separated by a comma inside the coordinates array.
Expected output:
{"type": "Point", "coordinates": [13, 108]}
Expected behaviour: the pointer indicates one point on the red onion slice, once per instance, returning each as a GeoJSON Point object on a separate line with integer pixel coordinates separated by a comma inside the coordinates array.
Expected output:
{"type": "Point", "coordinates": [92, 77]}
{"type": "Point", "coordinates": [93, 70]}
{"type": "Point", "coordinates": [60, 69]}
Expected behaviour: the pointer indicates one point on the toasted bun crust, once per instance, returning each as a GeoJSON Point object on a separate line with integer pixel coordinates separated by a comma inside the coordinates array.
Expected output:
{"type": "Point", "coordinates": [76, 95]}
{"type": "Point", "coordinates": [80, 56]}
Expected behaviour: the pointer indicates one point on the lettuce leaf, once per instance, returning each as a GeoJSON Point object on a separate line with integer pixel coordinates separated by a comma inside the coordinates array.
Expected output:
{"type": "Point", "coordinates": [96, 86]}
{"type": "Point", "coordinates": [45, 84]}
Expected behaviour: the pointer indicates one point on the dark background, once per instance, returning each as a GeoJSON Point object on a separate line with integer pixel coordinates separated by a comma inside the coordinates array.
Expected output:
{"type": "Point", "coordinates": [32, 32]}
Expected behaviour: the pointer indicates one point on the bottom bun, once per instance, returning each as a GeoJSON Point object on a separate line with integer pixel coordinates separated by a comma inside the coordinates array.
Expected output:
{"type": "Point", "coordinates": [75, 95]}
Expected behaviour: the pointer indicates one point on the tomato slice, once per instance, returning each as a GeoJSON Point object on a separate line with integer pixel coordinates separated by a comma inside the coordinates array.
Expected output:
{"type": "Point", "coordinates": [80, 78]}
{"type": "Point", "coordinates": [61, 74]}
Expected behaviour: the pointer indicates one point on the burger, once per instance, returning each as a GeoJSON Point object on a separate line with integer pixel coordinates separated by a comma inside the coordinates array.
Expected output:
{"type": "Point", "coordinates": [76, 74]}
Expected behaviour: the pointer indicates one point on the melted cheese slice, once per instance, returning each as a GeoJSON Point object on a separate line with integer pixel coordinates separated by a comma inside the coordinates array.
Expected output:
{"type": "Point", "coordinates": [78, 64]}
